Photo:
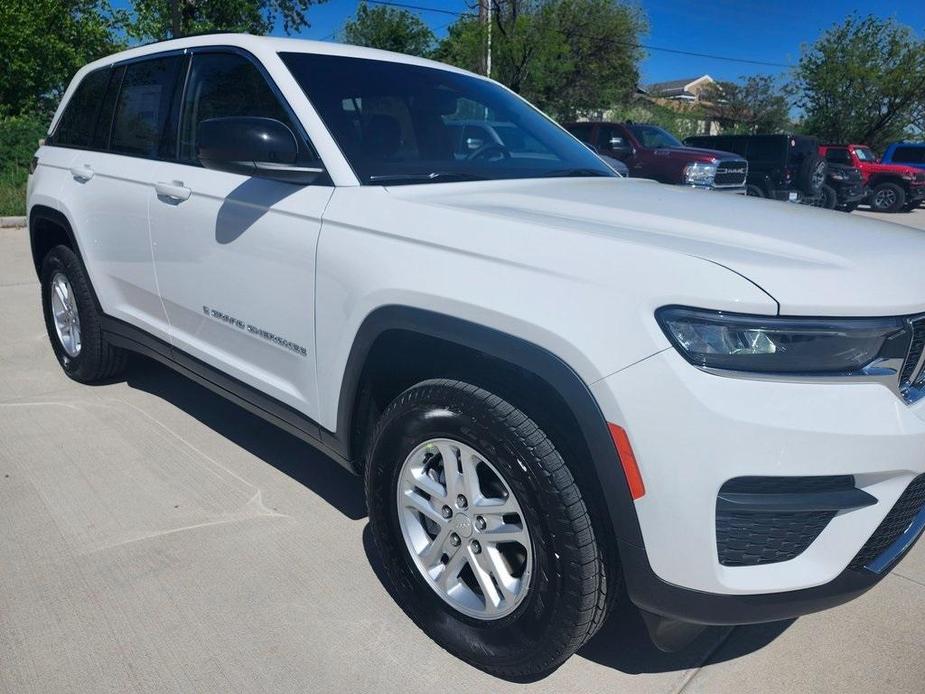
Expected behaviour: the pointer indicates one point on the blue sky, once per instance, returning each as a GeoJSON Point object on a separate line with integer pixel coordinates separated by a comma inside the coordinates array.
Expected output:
{"type": "Point", "coordinates": [760, 30]}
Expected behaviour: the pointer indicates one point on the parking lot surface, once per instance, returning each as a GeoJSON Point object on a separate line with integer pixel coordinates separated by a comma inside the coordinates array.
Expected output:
{"type": "Point", "coordinates": [156, 538]}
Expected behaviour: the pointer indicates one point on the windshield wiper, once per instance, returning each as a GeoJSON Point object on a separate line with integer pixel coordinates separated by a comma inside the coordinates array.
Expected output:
{"type": "Point", "coordinates": [562, 173]}
{"type": "Point", "coordinates": [432, 177]}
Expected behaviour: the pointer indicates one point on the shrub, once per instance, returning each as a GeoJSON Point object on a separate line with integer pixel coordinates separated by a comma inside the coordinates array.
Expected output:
{"type": "Point", "coordinates": [19, 136]}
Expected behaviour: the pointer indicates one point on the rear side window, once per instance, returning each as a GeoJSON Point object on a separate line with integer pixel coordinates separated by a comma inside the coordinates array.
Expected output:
{"type": "Point", "coordinates": [221, 85]}
{"type": "Point", "coordinates": [909, 155]}
{"type": "Point", "coordinates": [107, 108]}
{"type": "Point", "coordinates": [75, 129]}
{"type": "Point", "coordinates": [582, 131]}
{"type": "Point", "coordinates": [144, 105]}
{"type": "Point", "coordinates": [766, 149]}
{"type": "Point", "coordinates": [838, 156]}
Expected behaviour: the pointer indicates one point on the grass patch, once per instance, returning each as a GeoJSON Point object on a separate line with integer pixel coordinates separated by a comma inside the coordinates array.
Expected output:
{"type": "Point", "coordinates": [19, 137]}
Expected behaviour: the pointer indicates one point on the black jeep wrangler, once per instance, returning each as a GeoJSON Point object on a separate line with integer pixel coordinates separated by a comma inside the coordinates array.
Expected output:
{"type": "Point", "coordinates": [844, 188]}
{"type": "Point", "coordinates": [780, 167]}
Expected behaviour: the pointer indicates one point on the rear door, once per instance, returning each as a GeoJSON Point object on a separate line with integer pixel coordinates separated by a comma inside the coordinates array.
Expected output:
{"type": "Point", "coordinates": [108, 194]}
{"type": "Point", "coordinates": [235, 255]}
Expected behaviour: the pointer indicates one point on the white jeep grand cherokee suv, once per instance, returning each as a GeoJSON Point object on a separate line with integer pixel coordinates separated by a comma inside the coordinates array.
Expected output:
{"type": "Point", "coordinates": [555, 381]}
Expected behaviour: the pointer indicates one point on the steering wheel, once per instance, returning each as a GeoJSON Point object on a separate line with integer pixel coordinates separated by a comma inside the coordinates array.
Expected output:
{"type": "Point", "coordinates": [490, 147]}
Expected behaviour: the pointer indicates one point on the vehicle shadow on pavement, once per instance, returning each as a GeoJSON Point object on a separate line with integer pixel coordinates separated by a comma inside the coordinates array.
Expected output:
{"type": "Point", "coordinates": [623, 643]}
{"type": "Point", "coordinates": [285, 452]}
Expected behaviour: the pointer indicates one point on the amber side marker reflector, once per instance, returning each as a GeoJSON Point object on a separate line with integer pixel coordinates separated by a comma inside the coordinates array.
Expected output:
{"type": "Point", "coordinates": [628, 460]}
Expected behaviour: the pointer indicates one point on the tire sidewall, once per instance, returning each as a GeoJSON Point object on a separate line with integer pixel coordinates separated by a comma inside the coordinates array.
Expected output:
{"type": "Point", "coordinates": [62, 260]}
{"type": "Point", "coordinates": [900, 198]}
{"type": "Point", "coordinates": [499, 641]}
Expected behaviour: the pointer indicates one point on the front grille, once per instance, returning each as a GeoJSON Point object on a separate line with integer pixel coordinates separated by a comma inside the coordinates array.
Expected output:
{"type": "Point", "coordinates": [920, 177]}
{"type": "Point", "coordinates": [751, 538]}
{"type": "Point", "coordinates": [731, 173]}
{"type": "Point", "coordinates": [913, 374]}
{"type": "Point", "coordinates": [897, 521]}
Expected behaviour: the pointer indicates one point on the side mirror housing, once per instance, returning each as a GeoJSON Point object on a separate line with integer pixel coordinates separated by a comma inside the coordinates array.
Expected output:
{"type": "Point", "coordinates": [252, 146]}
{"type": "Point", "coordinates": [620, 147]}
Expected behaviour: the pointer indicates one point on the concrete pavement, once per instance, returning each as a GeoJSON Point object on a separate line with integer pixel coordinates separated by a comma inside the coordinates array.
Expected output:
{"type": "Point", "coordinates": [154, 538]}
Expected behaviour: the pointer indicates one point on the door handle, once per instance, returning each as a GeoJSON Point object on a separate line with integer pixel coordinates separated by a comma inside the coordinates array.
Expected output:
{"type": "Point", "coordinates": [174, 191]}
{"type": "Point", "coordinates": [82, 173]}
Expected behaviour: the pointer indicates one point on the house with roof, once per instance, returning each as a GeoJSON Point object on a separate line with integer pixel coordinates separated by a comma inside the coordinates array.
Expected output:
{"type": "Point", "coordinates": [689, 89]}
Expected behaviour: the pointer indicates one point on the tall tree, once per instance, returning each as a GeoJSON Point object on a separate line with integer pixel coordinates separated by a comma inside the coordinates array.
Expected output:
{"type": "Point", "coordinates": [161, 19]}
{"type": "Point", "coordinates": [861, 80]}
{"type": "Point", "coordinates": [391, 29]}
{"type": "Point", "coordinates": [43, 43]}
{"type": "Point", "coordinates": [566, 56]}
{"type": "Point", "coordinates": [756, 104]}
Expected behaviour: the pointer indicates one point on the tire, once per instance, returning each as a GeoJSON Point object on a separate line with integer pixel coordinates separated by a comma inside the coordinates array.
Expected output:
{"type": "Point", "coordinates": [754, 191]}
{"type": "Point", "coordinates": [85, 355]}
{"type": "Point", "coordinates": [811, 176]}
{"type": "Point", "coordinates": [828, 198]}
{"type": "Point", "coordinates": [888, 197]}
{"type": "Point", "coordinates": [564, 590]}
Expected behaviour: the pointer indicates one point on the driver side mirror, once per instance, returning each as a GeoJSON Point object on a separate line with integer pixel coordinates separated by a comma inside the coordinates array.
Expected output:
{"type": "Point", "coordinates": [620, 147]}
{"type": "Point", "coordinates": [252, 146]}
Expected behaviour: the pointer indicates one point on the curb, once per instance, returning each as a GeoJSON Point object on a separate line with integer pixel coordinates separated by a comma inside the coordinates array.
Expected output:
{"type": "Point", "coordinates": [12, 222]}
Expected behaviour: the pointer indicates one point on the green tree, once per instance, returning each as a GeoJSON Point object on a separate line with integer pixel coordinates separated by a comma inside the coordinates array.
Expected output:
{"type": "Point", "coordinates": [566, 56]}
{"type": "Point", "coordinates": [43, 43]}
{"type": "Point", "coordinates": [391, 29]}
{"type": "Point", "coordinates": [861, 81]}
{"type": "Point", "coordinates": [161, 19]}
{"type": "Point", "coordinates": [756, 104]}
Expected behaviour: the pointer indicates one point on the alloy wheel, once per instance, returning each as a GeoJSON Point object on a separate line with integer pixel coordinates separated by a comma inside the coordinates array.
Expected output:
{"type": "Point", "coordinates": [464, 529]}
{"type": "Point", "coordinates": [884, 199]}
{"type": "Point", "coordinates": [65, 315]}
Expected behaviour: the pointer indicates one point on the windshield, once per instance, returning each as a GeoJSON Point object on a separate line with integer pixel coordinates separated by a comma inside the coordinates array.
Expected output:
{"type": "Point", "coordinates": [653, 137]}
{"type": "Point", "coordinates": [865, 154]}
{"type": "Point", "coordinates": [398, 123]}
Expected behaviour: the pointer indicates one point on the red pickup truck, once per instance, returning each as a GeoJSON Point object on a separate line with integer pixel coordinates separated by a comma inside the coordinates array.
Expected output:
{"type": "Point", "coordinates": [652, 152]}
{"type": "Point", "coordinates": [893, 187]}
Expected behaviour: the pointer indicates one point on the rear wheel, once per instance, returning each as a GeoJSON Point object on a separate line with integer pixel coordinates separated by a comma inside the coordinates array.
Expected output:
{"type": "Point", "coordinates": [483, 532]}
{"type": "Point", "coordinates": [754, 191]}
{"type": "Point", "coordinates": [73, 321]}
{"type": "Point", "coordinates": [888, 197]}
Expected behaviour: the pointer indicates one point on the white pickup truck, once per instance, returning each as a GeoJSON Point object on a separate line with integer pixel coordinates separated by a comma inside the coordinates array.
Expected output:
{"type": "Point", "coordinates": [558, 383]}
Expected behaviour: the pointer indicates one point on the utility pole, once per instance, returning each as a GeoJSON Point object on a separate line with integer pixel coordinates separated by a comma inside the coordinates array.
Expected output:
{"type": "Point", "coordinates": [175, 30]}
{"type": "Point", "coordinates": [485, 21]}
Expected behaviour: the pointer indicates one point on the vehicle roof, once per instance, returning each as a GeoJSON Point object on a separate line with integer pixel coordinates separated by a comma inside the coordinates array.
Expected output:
{"type": "Point", "coordinates": [264, 44]}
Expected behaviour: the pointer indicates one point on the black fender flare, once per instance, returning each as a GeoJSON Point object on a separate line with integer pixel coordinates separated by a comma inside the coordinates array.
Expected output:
{"type": "Point", "coordinates": [508, 348]}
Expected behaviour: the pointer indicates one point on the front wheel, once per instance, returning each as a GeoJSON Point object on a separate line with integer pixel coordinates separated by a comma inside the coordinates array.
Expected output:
{"type": "Point", "coordinates": [828, 198]}
{"type": "Point", "coordinates": [482, 530]}
{"type": "Point", "coordinates": [754, 191]}
{"type": "Point", "coordinates": [888, 197]}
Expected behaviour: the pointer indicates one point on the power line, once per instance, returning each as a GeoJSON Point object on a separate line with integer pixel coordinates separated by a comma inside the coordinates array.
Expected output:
{"type": "Point", "coordinates": [419, 8]}
{"type": "Point", "coordinates": [711, 56]}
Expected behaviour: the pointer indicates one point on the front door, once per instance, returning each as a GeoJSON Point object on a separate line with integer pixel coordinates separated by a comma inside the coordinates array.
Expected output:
{"type": "Point", "coordinates": [235, 255]}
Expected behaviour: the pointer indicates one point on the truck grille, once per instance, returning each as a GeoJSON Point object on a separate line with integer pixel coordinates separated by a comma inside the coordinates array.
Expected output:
{"type": "Point", "coordinates": [731, 173]}
{"type": "Point", "coordinates": [899, 518]}
{"type": "Point", "coordinates": [920, 177]}
{"type": "Point", "coordinates": [913, 372]}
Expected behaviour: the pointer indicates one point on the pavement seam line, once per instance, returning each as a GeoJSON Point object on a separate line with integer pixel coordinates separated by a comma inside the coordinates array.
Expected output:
{"type": "Point", "coordinates": [691, 673]}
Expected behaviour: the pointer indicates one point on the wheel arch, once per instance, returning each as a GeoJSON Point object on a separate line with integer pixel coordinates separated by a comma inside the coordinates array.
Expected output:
{"type": "Point", "coordinates": [490, 356]}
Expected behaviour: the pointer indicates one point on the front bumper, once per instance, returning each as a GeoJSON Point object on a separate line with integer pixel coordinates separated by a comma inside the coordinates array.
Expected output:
{"type": "Point", "coordinates": [916, 193]}
{"type": "Point", "coordinates": [693, 431]}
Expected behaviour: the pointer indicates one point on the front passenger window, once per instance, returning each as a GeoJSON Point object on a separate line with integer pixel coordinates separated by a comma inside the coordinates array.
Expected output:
{"type": "Point", "coordinates": [223, 85]}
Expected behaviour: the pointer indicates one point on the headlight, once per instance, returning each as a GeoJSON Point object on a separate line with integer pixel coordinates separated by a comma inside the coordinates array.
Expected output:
{"type": "Point", "coordinates": [699, 173]}
{"type": "Point", "coordinates": [771, 344]}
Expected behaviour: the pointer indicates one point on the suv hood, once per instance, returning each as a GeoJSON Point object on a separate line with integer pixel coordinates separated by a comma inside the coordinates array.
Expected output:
{"type": "Point", "coordinates": [811, 261]}
{"type": "Point", "coordinates": [898, 169]}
